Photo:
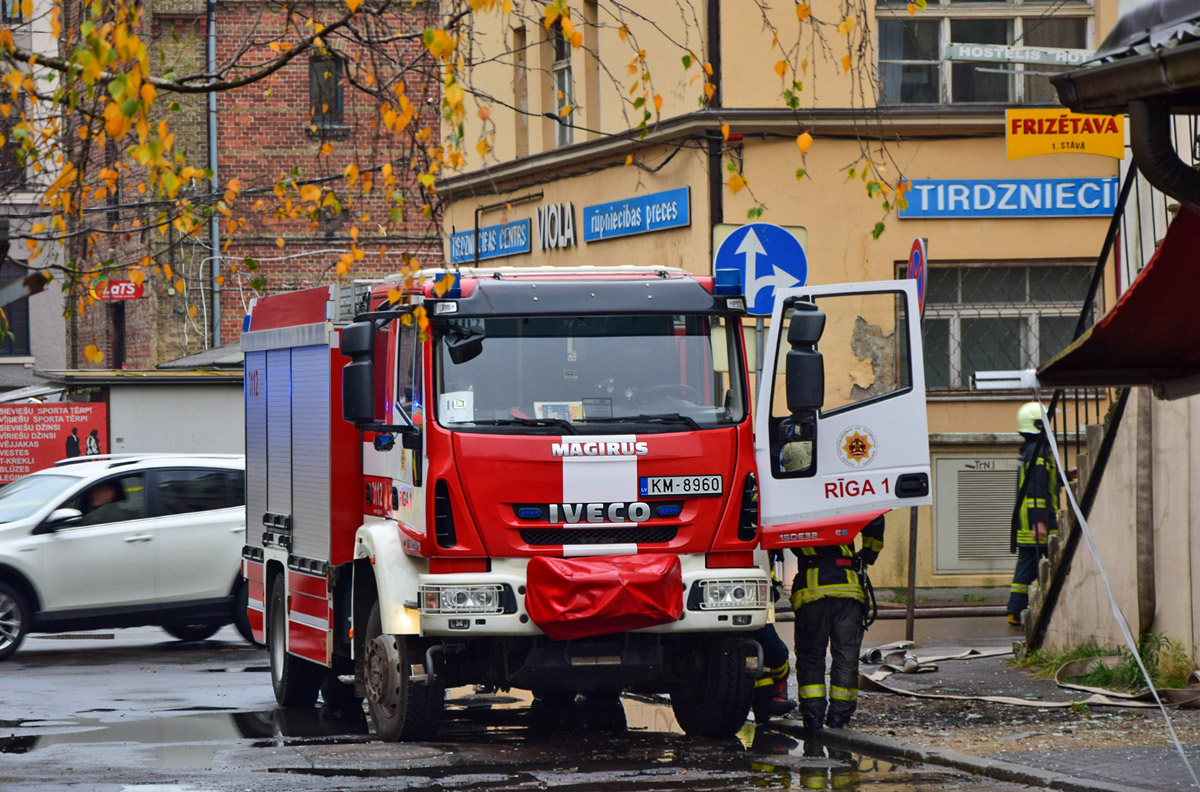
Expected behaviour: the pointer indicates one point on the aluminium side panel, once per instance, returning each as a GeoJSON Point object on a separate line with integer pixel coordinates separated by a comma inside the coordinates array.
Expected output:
{"type": "Point", "coordinates": [255, 389]}
{"type": "Point", "coordinates": [310, 451]}
{"type": "Point", "coordinates": [279, 431]}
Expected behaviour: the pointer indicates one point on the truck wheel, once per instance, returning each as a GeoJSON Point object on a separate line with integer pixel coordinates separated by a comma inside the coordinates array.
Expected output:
{"type": "Point", "coordinates": [400, 708]}
{"type": "Point", "coordinates": [191, 632]}
{"type": "Point", "coordinates": [717, 703]}
{"type": "Point", "coordinates": [296, 681]}
{"type": "Point", "coordinates": [14, 620]}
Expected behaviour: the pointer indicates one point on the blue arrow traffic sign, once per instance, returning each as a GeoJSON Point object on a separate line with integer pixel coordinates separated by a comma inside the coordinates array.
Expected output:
{"type": "Point", "coordinates": [768, 257]}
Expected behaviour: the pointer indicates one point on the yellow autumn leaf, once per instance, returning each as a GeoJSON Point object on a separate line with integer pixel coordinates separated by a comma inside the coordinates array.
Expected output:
{"type": "Point", "coordinates": [506, 7]}
{"type": "Point", "coordinates": [804, 140]}
{"type": "Point", "coordinates": [485, 113]}
{"type": "Point", "coordinates": [803, 12]}
{"type": "Point", "coordinates": [180, 285]}
{"type": "Point", "coordinates": [351, 174]}
{"type": "Point", "coordinates": [846, 63]}
{"type": "Point", "coordinates": [658, 103]}
{"type": "Point", "coordinates": [628, 159]}
{"type": "Point", "coordinates": [708, 69]}
{"type": "Point", "coordinates": [622, 32]}
{"type": "Point", "coordinates": [353, 5]}
{"type": "Point", "coordinates": [912, 10]}
{"type": "Point", "coordinates": [310, 193]}
{"type": "Point", "coordinates": [736, 183]}
{"type": "Point", "coordinates": [710, 90]}
{"type": "Point", "coordinates": [278, 242]}
{"type": "Point", "coordinates": [137, 276]}
{"type": "Point", "coordinates": [191, 312]}
{"type": "Point", "coordinates": [93, 353]}
{"type": "Point", "coordinates": [483, 147]}
{"type": "Point", "coordinates": [219, 280]}
{"type": "Point", "coordinates": [725, 131]}
{"type": "Point", "coordinates": [326, 149]}
{"type": "Point", "coordinates": [780, 68]}
{"type": "Point", "coordinates": [168, 273]}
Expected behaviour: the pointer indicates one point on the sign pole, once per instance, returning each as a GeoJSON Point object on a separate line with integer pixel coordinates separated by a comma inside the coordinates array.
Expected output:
{"type": "Point", "coordinates": [918, 270]}
{"type": "Point", "coordinates": [760, 331]}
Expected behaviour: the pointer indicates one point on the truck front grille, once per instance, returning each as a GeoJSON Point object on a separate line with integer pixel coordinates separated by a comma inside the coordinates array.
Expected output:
{"type": "Point", "coordinates": [539, 537]}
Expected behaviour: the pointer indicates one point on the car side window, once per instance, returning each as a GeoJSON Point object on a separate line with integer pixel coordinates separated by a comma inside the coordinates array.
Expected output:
{"type": "Point", "coordinates": [237, 487]}
{"type": "Point", "coordinates": [195, 490]}
{"type": "Point", "coordinates": [112, 500]}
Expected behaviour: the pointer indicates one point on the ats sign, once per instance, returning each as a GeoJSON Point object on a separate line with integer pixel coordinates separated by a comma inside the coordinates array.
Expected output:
{"type": "Point", "coordinates": [1031, 132]}
{"type": "Point", "coordinates": [117, 290]}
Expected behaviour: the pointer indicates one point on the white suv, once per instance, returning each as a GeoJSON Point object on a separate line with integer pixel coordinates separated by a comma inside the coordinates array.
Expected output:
{"type": "Point", "coordinates": [124, 541]}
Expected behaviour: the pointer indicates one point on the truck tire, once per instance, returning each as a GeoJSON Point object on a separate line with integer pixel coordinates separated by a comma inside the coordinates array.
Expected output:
{"type": "Point", "coordinates": [191, 632]}
{"type": "Point", "coordinates": [717, 703]}
{"type": "Point", "coordinates": [400, 708]}
{"type": "Point", "coordinates": [296, 681]}
{"type": "Point", "coordinates": [15, 617]}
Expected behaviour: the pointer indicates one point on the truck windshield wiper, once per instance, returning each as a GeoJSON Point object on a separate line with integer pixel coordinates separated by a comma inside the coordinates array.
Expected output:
{"type": "Point", "coordinates": [559, 422]}
{"type": "Point", "coordinates": [687, 421]}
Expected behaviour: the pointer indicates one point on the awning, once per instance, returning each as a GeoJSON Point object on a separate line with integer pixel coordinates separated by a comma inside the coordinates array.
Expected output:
{"type": "Point", "coordinates": [1152, 335]}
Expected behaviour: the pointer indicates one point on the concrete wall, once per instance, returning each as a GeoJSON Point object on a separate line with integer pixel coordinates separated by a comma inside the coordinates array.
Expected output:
{"type": "Point", "coordinates": [1083, 611]}
{"type": "Point", "coordinates": [177, 418]}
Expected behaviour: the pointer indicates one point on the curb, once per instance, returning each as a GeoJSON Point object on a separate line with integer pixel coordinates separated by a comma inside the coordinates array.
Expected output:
{"type": "Point", "coordinates": [990, 768]}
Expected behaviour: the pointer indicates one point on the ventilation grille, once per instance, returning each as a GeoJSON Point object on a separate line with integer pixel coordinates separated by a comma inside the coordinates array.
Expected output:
{"type": "Point", "coordinates": [985, 506]}
{"type": "Point", "coordinates": [542, 537]}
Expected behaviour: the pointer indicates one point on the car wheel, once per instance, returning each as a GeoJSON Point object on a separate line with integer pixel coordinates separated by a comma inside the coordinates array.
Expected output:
{"type": "Point", "coordinates": [296, 681]}
{"type": "Point", "coordinates": [191, 632]}
{"type": "Point", "coordinates": [241, 614]}
{"type": "Point", "coordinates": [14, 620]}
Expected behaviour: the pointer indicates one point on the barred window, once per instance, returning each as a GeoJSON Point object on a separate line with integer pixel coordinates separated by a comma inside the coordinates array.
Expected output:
{"type": "Point", "coordinates": [16, 341]}
{"type": "Point", "coordinates": [990, 317]}
{"type": "Point", "coordinates": [564, 87]}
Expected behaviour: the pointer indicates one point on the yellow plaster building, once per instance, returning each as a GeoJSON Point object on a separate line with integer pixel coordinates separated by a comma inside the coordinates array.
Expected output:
{"type": "Point", "coordinates": [1012, 243]}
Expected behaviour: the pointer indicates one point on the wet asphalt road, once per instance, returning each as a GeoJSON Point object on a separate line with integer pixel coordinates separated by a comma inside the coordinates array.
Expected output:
{"type": "Point", "coordinates": [137, 711]}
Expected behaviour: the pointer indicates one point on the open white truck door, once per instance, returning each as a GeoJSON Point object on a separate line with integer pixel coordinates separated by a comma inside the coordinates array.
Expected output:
{"type": "Point", "coordinates": [840, 433]}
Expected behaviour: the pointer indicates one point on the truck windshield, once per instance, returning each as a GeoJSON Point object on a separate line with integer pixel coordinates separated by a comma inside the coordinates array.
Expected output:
{"type": "Point", "coordinates": [25, 496]}
{"type": "Point", "coordinates": [592, 374]}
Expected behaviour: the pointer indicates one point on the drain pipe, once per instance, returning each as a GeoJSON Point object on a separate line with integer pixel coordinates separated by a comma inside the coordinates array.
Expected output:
{"type": "Point", "coordinates": [1155, 154]}
{"type": "Point", "coordinates": [214, 222]}
{"type": "Point", "coordinates": [1144, 519]}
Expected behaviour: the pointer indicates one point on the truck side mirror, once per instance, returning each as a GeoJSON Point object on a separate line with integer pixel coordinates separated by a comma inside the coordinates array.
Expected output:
{"type": "Point", "coordinates": [464, 344]}
{"type": "Point", "coordinates": [357, 342]}
{"type": "Point", "coordinates": [804, 369]}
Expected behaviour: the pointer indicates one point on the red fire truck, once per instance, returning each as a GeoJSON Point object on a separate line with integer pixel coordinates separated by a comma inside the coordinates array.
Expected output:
{"type": "Point", "coordinates": [557, 483]}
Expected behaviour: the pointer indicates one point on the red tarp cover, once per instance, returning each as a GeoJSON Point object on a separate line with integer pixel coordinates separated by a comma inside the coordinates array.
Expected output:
{"type": "Point", "coordinates": [1151, 334]}
{"type": "Point", "coordinates": [581, 597]}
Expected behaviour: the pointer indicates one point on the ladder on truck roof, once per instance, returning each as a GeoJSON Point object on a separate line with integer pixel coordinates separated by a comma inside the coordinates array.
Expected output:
{"type": "Point", "coordinates": [543, 270]}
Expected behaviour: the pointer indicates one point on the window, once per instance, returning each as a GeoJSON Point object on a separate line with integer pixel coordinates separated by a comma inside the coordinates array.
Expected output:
{"type": "Point", "coordinates": [913, 69]}
{"type": "Point", "coordinates": [16, 342]}
{"type": "Point", "coordinates": [409, 371]}
{"type": "Point", "coordinates": [997, 317]}
{"type": "Point", "coordinates": [564, 95]}
{"type": "Point", "coordinates": [325, 91]}
{"type": "Point", "coordinates": [112, 500]}
{"type": "Point", "coordinates": [197, 490]}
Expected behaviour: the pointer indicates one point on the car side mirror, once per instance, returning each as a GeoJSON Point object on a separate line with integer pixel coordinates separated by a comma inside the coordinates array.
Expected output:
{"type": "Point", "coordinates": [60, 518]}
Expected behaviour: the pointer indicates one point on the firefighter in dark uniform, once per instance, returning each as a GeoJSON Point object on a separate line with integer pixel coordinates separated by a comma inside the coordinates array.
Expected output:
{"type": "Point", "coordinates": [830, 602]}
{"type": "Point", "coordinates": [770, 690]}
{"type": "Point", "coordinates": [1036, 514]}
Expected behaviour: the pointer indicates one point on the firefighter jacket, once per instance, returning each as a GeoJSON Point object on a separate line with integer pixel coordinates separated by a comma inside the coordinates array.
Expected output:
{"type": "Point", "coordinates": [833, 570]}
{"type": "Point", "coordinates": [1040, 502]}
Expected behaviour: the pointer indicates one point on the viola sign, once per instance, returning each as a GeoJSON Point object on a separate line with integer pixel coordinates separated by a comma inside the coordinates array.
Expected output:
{"type": "Point", "coordinates": [117, 290]}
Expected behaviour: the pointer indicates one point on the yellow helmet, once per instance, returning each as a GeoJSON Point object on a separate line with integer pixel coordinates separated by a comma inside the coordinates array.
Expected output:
{"type": "Point", "coordinates": [1029, 418]}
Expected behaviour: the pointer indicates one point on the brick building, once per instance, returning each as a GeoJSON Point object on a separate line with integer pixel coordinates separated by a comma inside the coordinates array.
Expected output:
{"type": "Point", "coordinates": [305, 123]}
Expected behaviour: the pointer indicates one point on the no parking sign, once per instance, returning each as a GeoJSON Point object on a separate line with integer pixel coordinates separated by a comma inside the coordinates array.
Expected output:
{"type": "Point", "coordinates": [917, 268]}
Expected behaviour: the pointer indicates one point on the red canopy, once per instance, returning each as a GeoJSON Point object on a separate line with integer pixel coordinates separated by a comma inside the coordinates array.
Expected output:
{"type": "Point", "coordinates": [1152, 335]}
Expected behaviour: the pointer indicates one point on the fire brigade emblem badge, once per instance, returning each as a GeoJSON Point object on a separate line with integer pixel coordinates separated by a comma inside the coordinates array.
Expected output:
{"type": "Point", "coordinates": [856, 446]}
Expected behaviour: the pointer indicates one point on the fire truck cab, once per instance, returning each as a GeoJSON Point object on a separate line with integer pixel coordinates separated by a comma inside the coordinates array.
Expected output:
{"type": "Point", "coordinates": [551, 479]}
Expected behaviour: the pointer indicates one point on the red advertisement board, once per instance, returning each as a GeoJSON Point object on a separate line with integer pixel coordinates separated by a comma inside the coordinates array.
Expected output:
{"type": "Point", "coordinates": [35, 436]}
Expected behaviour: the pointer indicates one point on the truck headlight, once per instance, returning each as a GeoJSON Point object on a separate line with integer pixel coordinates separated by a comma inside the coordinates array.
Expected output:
{"type": "Point", "coordinates": [461, 599]}
{"type": "Point", "coordinates": [729, 594]}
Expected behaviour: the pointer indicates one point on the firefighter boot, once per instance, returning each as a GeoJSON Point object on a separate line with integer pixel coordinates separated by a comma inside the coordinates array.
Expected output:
{"type": "Point", "coordinates": [770, 699]}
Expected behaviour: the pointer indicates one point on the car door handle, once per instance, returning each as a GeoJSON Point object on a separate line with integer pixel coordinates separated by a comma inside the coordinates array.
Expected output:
{"type": "Point", "coordinates": [239, 529]}
{"type": "Point", "coordinates": [138, 538]}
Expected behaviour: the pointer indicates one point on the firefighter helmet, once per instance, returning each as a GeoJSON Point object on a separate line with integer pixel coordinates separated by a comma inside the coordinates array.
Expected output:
{"type": "Point", "coordinates": [1029, 418]}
